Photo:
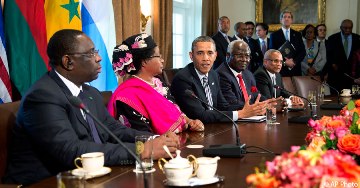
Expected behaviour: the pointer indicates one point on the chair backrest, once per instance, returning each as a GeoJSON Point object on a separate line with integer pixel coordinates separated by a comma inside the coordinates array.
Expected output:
{"type": "Point", "coordinates": [170, 73]}
{"type": "Point", "coordinates": [8, 112]}
{"type": "Point", "coordinates": [304, 84]}
{"type": "Point", "coordinates": [106, 96]}
{"type": "Point", "coordinates": [289, 84]}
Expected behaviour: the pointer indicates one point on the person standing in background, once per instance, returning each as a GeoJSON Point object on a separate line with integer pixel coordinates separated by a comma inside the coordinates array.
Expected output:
{"type": "Point", "coordinates": [315, 58]}
{"type": "Point", "coordinates": [250, 28]}
{"type": "Point", "coordinates": [256, 54]}
{"type": "Point", "coordinates": [341, 47]}
{"type": "Point", "coordinates": [292, 65]}
{"type": "Point", "coordinates": [222, 40]}
{"type": "Point", "coordinates": [263, 41]}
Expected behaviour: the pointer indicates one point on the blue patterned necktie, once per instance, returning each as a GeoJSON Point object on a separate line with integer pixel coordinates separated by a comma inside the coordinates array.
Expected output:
{"type": "Point", "coordinates": [206, 87]}
{"type": "Point", "coordinates": [263, 47]}
{"type": "Point", "coordinates": [90, 121]}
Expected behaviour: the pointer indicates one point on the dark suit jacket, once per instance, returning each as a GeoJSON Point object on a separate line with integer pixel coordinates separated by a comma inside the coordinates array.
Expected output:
{"type": "Point", "coordinates": [50, 133]}
{"type": "Point", "coordinates": [187, 78]}
{"type": "Point", "coordinates": [265, 85]}
{"type": "Point", "coordinates": [256, 54]}
{"type": "Point", "coordinates": [230, 86]}
{"type": "Point", "coordinates": [277, 39]}
{"type": "Point", "coordinates": [221, 48]}
{"type": "Point", "coordinates": [336, 56]}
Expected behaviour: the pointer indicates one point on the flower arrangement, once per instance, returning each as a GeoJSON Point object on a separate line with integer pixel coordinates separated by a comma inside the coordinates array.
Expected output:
{"type": "Point", "coordinates": [329, 160]}
{"type": "Point", "coordinates": [307, 168]}
{"type": "Point", "coordinates": [338, 132]}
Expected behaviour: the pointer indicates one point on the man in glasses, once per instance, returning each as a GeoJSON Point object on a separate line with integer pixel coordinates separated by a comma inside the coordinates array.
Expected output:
{"type": "Point", "coordinates": [50, 132]}
{"type": "Point", "coordinates": [269, 75]}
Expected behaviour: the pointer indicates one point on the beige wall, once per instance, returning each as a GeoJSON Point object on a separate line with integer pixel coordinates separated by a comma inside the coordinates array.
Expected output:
{"type": "Point", "coordinates": [336, 11]}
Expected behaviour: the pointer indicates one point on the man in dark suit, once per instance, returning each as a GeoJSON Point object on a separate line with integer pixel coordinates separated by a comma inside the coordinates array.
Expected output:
{"type": "Point", "coordinates": [222, 40]}
{"type": "Point", "coordinates": [263, 41]}
{"type": "Point", "coordinates": [269, 75]}
{"type": "Point", "coordinates": [50, 132]}
{"type": "Point", "coordinates": [203, 81]}
{"type": "Point", "coordinates": [292, 65]}
{"type": "Point", "coordinates": [234, 75]}
{"type": "Point", "coordinates": [341, 47]}
{"type": "Point", "coordinates": [256, 55]}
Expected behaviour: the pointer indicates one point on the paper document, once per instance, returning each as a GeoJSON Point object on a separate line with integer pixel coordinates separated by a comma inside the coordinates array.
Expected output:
{"type": "Point", "coordinates": [254, 119]}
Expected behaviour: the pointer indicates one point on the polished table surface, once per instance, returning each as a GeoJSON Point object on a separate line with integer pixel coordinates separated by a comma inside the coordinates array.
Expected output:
{"type": "Point", "coordinates": [276, 138]}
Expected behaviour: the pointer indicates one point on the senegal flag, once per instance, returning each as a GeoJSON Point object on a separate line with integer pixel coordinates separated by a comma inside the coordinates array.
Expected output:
{"type": "Point", "coordinates": [62, 14]}
{"type": "Point", "coordinates": [96, 19]}
{"type": "Point", "coordinates": [25, 35]}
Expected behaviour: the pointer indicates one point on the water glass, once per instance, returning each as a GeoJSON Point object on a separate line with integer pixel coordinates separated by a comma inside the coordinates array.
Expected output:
{"type": "Point", "coordinates": [68, 180]}
{"type": "Point", "coordinates": [312, 96]}
{"type": "Point", "coordinates": [144, 146]}
{"type": "Point", "coordinates": [270, 114]}
{"type": "Point", "coordinates": [354, 89]}
{"type": "Point", "coordinates": [321, 92]}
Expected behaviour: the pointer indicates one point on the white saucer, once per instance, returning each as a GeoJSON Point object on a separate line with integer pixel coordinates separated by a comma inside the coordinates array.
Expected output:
{"type": "Point", "coordinates": [342, 95]}
{"type": "Point", "coordinates": [81, 172]}
{"type": "Point", "coordinates": [195, 181]}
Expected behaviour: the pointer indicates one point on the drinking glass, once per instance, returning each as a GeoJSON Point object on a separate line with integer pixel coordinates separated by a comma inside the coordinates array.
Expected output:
{"type": "Point", "coordinates": [270, 114]}
{"type": "Point", "coordinates": [144, 146]}
{"type": "Point", "coordinates": [354, 89]}
{"type": "Point", "coordinates": [67, 180]}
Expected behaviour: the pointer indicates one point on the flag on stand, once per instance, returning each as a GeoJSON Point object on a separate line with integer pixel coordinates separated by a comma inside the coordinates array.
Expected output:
{"type": "Point", "coordinates": [98, 23]}
{"type": "Point", "coordinates": [96, 19]}
{"type": "Point", "coordinates": [25, 34]}
{"type": "Point", "coordinates": [5, 84]}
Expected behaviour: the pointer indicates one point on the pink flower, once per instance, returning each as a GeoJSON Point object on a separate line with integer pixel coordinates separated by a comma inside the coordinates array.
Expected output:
{"type": "Point", "coordinates": [295, 148]}
{"type": "Point", "coordinates": [340, 132]}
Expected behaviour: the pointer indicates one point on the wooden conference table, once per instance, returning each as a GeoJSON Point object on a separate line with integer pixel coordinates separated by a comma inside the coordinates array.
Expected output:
{"type": "Point", "coordinates": [277, 138]}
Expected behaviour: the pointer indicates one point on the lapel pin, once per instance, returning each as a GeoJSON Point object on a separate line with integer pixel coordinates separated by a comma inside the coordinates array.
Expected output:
{"type": "Point", "coordinates": [90, 98]}
{"type": "Point", "coordinates": [212, 83]}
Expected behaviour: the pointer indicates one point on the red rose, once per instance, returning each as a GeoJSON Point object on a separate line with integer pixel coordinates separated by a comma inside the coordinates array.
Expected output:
{"type": "Point", "coordinates": [349, 143]}
{"type": "Point", "coordinates": [254, 89]}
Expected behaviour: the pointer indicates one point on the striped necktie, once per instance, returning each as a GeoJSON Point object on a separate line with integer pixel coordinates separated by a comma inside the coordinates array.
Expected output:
{"type": "Point", "coordinates": [205, 84]}
{"type": "Point", "coordinates": [89, 119]}
{"type": "Point", "coordinates": [243, 87]}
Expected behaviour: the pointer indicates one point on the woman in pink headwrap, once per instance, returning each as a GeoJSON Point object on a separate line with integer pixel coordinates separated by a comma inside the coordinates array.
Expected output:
{"type": "Point", "coordinates": [142, 100]}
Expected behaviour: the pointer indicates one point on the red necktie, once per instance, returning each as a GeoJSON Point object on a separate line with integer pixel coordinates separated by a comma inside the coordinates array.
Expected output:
{"type": "Point", "coordinates": [242, 87]}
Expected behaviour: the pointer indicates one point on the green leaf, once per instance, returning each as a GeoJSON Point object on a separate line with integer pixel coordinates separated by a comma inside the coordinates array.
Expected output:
{"type": "Point", "coordinates": [351, 105]}
{"type": "Point", "coordinates": [354, 129]}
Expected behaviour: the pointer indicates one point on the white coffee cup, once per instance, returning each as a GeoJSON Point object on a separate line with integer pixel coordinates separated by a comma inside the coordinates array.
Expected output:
{"type": "Point", "coordinates": [91, 162]}
{"type": "Point", "coordinates": [345, 92]}
{"type": "Point", "coordinates": [207, 167]}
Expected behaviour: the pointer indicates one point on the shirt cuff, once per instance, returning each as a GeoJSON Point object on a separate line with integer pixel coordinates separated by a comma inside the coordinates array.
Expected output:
{"type": "Point", "coordinates": [235, 116]}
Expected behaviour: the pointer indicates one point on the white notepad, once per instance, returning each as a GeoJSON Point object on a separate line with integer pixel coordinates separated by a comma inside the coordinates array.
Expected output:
{"type": "Point", "coordinates": [254, 119]}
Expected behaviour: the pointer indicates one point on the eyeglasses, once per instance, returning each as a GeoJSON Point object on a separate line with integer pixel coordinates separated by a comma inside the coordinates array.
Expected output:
{"type": "Point", "coordinates": [92, 53]}
{"type": "Point", "coordinates": [159, 56]}
{"type": "Point", "coordinates": [244, 56]}
{"type": "Point", "coordinates": [275, 60]}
